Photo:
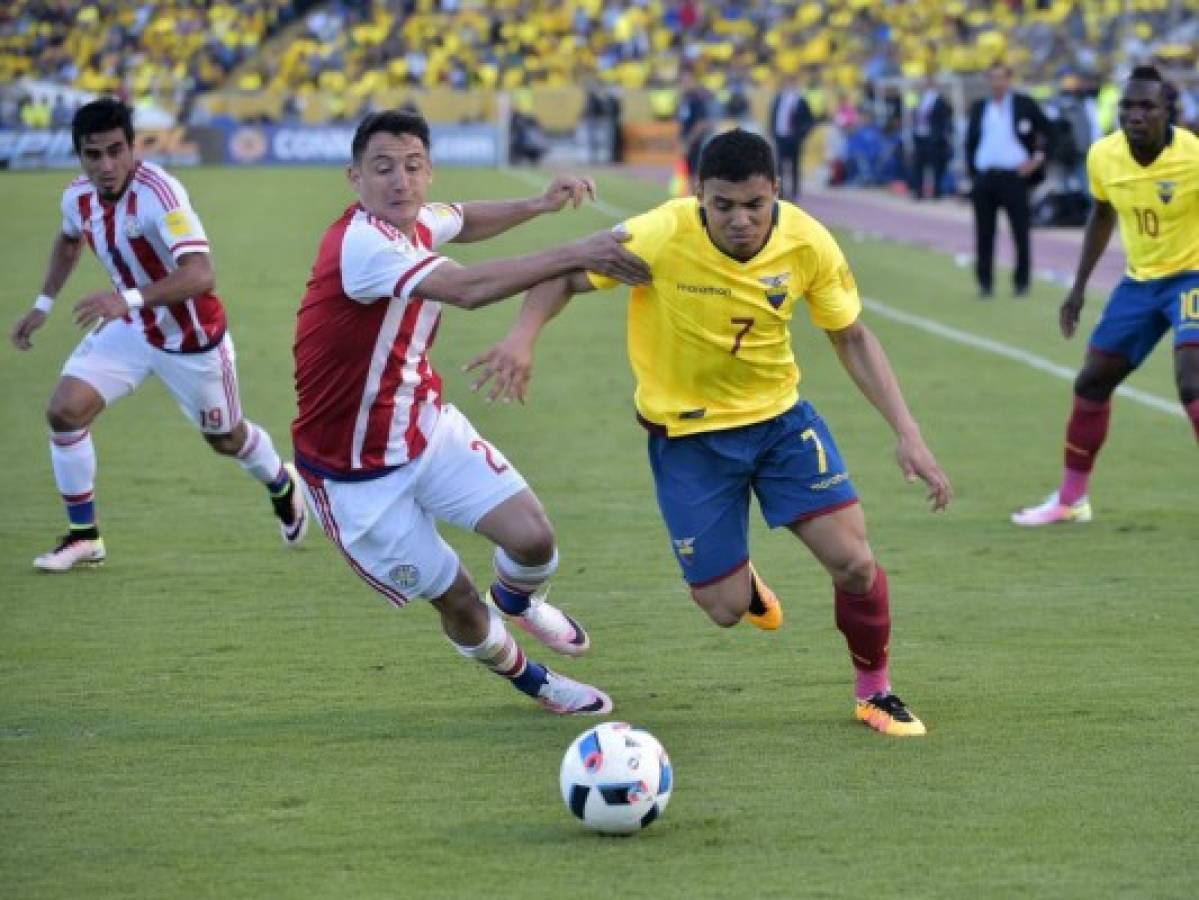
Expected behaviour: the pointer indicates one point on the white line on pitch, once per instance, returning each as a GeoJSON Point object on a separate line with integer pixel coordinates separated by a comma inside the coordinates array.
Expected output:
{"type": "Point", "coordinates": [933, 327]}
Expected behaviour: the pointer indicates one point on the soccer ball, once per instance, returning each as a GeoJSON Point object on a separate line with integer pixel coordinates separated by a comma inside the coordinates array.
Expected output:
{"type": "Point", "coordinates": [616, 778]}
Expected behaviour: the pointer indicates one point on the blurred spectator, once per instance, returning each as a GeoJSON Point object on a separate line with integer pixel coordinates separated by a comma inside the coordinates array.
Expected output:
{"type": "Point", "coordinates": [697, 116]}
{"type": "Point", "coordinates": [594, 126]}
{"type": "Point", "coordinates": [526, 140]}
{"type": "Point", "coordinates": [790, 121]}
{"type": "Point", "coordinates": [932, 141]}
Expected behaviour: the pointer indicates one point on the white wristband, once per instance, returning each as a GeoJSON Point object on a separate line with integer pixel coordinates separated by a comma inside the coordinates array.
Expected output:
{"type": "Point", "coordinates": [44, 303]}
{"type": "Point", "coordinates": [133, 298]}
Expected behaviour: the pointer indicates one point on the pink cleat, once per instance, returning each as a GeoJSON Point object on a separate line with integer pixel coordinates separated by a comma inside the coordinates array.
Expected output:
{"type": "Point", "coordinates": [1054, 512]}
{"type": "Point", "coordinates": [551, 626]}
{"type": "Point", "coordinates": [566, 697]}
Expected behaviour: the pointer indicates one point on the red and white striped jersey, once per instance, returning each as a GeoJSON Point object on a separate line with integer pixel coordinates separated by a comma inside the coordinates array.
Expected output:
{"type": "Point", "coordinates": [139, 239]}
{"type": "Point", "coordinates": [368, 396]}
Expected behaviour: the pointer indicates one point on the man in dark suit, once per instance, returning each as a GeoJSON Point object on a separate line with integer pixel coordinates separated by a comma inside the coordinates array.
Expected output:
{"type": "Point", "coordinates": [1008, 140]}
{"type": "Point", "coordinates": [790, 122]}
{"type": "Point", "coordinates": [932, 139]}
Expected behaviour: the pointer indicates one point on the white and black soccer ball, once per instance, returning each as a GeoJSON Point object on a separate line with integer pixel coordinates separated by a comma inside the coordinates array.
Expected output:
{"type": "Point", "coordinates": [616, 778]}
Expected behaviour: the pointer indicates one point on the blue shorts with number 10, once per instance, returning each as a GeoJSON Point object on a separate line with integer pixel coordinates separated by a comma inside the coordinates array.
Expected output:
{"type": "Point", "coordinates": [790, 462]}
{"type": "Point", "coordinates": [1139, 312]}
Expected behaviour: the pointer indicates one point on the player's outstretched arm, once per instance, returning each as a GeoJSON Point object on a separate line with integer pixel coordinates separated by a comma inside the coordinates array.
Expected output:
{"type": "Point", "coordinates": [64, 256]}
{"type": "Point", "coordinates": [863, 358]}
{"type": "Point", "coordinates": [508, 365]}
{"type": "Point", "coordinates": [195, 276]}
{"type": "Point", "coordinates": [486, 219]}
{"type": "Point", "coordinates": [1100, 224]}
{"type": "Point", "coordinates": [470, 287]}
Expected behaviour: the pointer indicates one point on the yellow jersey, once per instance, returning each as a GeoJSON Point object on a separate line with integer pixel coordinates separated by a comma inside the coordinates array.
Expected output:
{"type": "Point", "coordinates": [1158, 204]}
{"type": "Point", "coordinates": [708, 338]}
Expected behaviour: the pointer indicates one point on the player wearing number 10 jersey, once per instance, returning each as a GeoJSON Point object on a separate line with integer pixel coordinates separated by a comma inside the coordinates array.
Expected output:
{"type": "Point", "coordinates": [161, 318]}
{"type": "Point", "coordinates": [1146, 176]}
{"type": "Point", "coordinates": [717, 389]}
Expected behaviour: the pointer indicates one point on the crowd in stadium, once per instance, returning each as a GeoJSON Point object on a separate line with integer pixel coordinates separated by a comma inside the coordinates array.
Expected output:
{"type": "Point", "coordinates": [858, 62]}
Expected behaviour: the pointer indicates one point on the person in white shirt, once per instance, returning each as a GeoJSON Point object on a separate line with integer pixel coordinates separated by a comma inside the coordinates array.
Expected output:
{"type": "Point", "coordinates": [1008, 140]}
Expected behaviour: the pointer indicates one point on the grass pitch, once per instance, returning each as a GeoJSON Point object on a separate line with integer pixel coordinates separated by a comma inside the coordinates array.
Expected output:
{"type": "Point", "coordinates": [211, 716]}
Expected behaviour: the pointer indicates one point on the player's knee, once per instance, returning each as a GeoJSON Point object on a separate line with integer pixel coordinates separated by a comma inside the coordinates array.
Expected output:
{"type": "Point", "coordinates": [856, 574]}
{"type": "Point", "coordinates": [224, 444]}
{"type": "Point", "coordinates": [64, 414]}
{"type": "Point", "coordinates": [1188, 387]}
{"type": "Point", "coordinates": [533, 543]}
{"type": "Point", "coordinates": [720, 610]}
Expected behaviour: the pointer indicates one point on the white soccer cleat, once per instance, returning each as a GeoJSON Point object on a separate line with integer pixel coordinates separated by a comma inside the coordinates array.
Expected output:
{"type": "Point", "coordinates": [551, 626]}
{"type": "Point", "coordinates": [1054, 512]}
{"type": "Point", "coordinates": [291, 511]}
{"type": "Point", "coordinates": [567, 697]}
{"type": "Point", "coordinates": [71, 552]}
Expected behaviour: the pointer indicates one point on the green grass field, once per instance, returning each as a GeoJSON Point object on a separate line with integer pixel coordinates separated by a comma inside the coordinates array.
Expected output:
{"type": "Point", "coordinates": [210, 716]}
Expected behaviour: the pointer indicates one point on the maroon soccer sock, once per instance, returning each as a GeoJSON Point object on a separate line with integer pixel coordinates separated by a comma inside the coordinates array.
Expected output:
{"type": "Point", "coordinates": [865, 620]}
{"type": "Point", "coordinates": [1085, 434]}
{"type": "Point", "coordinates": [1192, 409]}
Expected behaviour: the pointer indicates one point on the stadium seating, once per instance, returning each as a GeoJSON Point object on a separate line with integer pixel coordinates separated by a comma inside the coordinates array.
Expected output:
{"type": "Point", "coordinates": [328, 61]}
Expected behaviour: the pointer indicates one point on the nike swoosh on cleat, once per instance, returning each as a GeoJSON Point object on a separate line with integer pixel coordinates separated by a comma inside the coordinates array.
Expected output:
{"type": "Point", "coordinates": [580, 637]}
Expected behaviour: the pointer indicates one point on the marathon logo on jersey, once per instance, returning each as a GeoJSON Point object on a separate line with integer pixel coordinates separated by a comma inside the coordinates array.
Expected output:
{"type": "Point", "coordinates": [1165, 190]}
{"type": "Point", "coordinates": [831, 482]}
{"type": "Point", "coordinates": [684, 548]}
{"type": "Point", "coordinates": [776, 288]}
{"type": "Point", "coordinates": [405, 576]}
{"type": "Point", "coordinates": [703, 289]}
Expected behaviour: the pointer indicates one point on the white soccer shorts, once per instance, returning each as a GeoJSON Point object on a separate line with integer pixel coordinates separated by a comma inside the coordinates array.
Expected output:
{"type": "Point", "coordinates": [387, 527]}
{"type": "Point", "coordinates": [117, 359]}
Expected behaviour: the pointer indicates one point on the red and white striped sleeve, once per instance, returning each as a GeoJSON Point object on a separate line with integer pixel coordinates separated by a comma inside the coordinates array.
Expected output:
{"type": "Point", "coordinates": [444, 221]}
{"type": "Point", "coordinates": [72, 224]}
{"type": "Point", "coordinates": [170, 212]}
{"type": "Point", "coordinates": [378, 262]}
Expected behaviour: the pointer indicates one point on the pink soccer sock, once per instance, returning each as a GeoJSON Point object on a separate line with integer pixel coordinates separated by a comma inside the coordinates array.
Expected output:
{"type": "Point", "coordinates": [1085, 434]}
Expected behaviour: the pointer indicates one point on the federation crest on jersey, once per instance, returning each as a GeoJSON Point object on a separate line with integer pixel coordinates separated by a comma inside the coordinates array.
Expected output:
{"type": "Point", "coordinates": [1165, 190]}
{"type": "Point", "coordinates": [405, 576]}
{"type": "Point", "coordinates": [133, 228]}
{"type": "Point", "coordinates": [776, 288]}
{"type": "Point", "coordinates": [178, 223]}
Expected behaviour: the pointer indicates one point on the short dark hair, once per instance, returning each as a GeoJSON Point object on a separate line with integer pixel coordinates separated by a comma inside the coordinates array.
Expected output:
{"type": "Point", "coordinates": [1146, 73]}
{"type": "Point", "coordinates": [99, 116]}
{"type": "Point", "coordinates": [737, 155]}
{"type": "Point", "coordinates": [390, 121]}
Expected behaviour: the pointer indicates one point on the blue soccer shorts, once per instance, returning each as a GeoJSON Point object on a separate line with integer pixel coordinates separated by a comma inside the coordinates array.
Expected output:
{"type": "Point", "coordinates": [1139, 312]}
{"type": "Point", "coordinates": [703, 482]}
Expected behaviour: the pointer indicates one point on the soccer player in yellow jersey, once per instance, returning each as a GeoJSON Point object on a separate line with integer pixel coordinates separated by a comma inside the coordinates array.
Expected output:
{"type": "Point", "coordinates": [717, 389]}
{"type": "Point", "coordinates": [1146, 176]}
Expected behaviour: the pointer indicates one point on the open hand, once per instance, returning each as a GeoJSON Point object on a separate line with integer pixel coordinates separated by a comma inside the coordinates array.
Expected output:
{"type": "Point", "coordinates": [1068, 315]}
{"type": "Point", "coordinates": [22, 332]}
{"type": "Point", "coordinates": [98, 309]}
{"type": "Point", "coordinates": [917, 461]}
{"type": "Point", "coordinates": [604, 254]}
{"type": "Point", "coordinates": [508, 366]}
{"type": "Point", "coordinates": [572, 189]}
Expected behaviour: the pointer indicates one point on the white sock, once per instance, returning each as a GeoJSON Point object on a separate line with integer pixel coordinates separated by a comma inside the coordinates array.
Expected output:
{"type": "Point", "coordinates": [258, 457]}
{"type": "Point", "coordinates": [73, 456]}
{"type": "Point", "coordinates": [525, 579]}
{"type": "Point", "coordinates": [499, 652]}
